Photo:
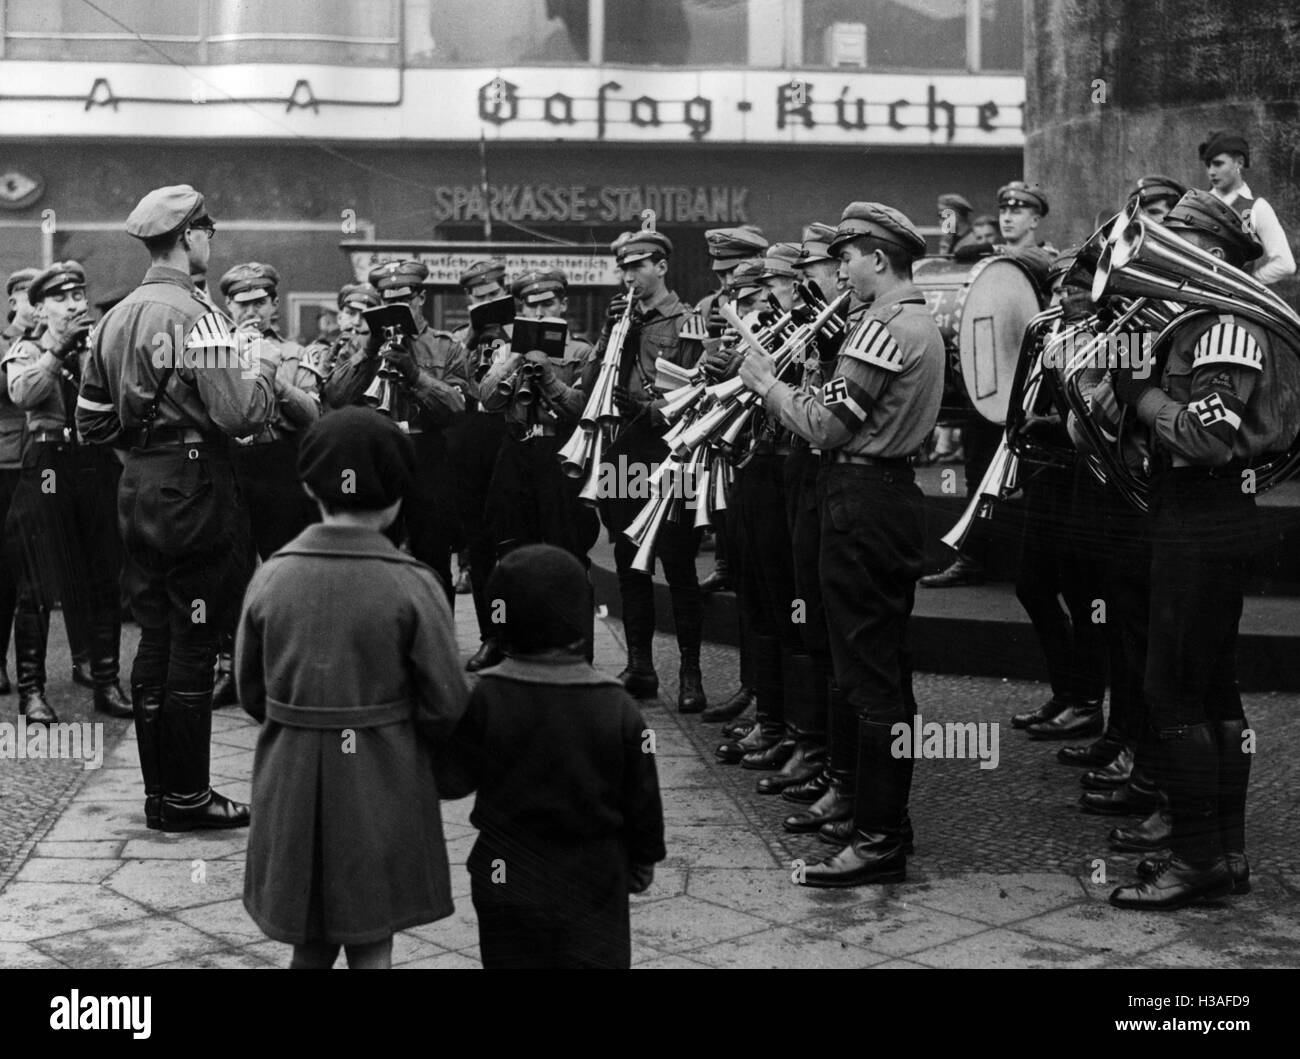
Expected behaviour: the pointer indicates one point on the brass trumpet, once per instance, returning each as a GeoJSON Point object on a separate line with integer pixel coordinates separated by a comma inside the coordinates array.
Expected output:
{"type": "Point", "coordinates": [580, 454]}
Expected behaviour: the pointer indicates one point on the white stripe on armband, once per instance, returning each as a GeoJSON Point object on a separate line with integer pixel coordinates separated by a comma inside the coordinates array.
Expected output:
{"type": "Point", "coordinates": [93, 406]}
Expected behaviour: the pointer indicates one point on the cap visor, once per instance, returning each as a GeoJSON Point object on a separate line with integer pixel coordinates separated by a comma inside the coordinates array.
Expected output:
{"type": "Point", "coordinates": [250, 295]}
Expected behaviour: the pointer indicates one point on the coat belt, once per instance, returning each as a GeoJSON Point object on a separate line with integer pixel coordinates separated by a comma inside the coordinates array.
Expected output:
{"type": "Point", "coordinates": [374, 716]}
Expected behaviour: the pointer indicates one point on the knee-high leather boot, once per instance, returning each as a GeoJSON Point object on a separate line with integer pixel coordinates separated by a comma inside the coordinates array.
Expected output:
{"type": "Point", "coordinates": [805, 713]}
{"type": "Point", "coordinates": [875, 853]}
{"type": "Point", "coordinates": [1195, 870]}
{"type": "Point", "coordinates": [105, 647]}
{"type": "Point", "coordinates": [189, 802]}
{"type": "Point", "coordinates": [769, 729]}
{"type": "Point", "coordinates": [31, 630]}
{"type": "Point", "coordinates": [1234, 778]}
{"type": "Point", "coordinates": [639, 677]}
{"type": "Point", "coordinates": [146, 702]}
{"type": "Point", "coordinates": [688, 620]}
{"type": "Point", "coordinates": [837, 802]}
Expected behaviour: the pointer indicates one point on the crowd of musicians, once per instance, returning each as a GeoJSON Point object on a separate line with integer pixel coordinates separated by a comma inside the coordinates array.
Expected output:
{"type": "Point", "coordinates": [129, 456]}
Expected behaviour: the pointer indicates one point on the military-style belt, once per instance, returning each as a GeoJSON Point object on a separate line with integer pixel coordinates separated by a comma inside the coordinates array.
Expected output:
{"type": "Point", "coordinates": [38, 437]}
{"type": "Point", "coordinates": [141, 436]}
{"type": "Point", "coordinates": [893, 463]}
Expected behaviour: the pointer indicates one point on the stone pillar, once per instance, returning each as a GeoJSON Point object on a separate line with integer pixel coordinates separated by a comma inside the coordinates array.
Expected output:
{"type": "Point", "coordinates": [1118, 88]}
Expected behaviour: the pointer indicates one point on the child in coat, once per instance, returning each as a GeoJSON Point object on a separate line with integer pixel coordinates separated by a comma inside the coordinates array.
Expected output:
{"type": "Point", "coordinates": [568, 807]}
{"type": "Point", "coordinates": [347, 654]}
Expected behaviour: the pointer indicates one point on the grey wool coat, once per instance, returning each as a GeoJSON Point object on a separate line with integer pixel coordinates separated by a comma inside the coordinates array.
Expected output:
{"type": "Point", "coordinates": [347, 654]}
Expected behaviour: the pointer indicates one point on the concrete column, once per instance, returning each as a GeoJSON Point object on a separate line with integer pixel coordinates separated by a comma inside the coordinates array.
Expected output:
{"type": "Point", "coordinates": [1119, 88]}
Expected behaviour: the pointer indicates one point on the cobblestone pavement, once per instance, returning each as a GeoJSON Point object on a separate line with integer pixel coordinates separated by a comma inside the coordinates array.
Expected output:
{"type": "Point", "coordinates": [1003, 876]}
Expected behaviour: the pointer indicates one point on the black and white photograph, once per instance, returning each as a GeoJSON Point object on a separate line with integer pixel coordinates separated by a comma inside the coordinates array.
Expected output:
{"type": "Point", "coordinates": [651, 484]}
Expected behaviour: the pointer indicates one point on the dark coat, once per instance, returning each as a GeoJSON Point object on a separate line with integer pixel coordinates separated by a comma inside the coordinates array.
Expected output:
{"type": "Point", "coordinates": [340, 633]}
{"type": "Point", "coordinates": [567, 800]}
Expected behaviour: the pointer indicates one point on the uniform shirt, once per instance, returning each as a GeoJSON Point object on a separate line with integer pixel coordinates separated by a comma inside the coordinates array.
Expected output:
{"type": "Point", "coordinates": [1229, 392]}
{"type": "Point", "coordinates": [883, 397]}
{"type": "Point", "coordinates": [13, 420]}
{"type": "Point", "coordinates": [41, 383]}
{"type": "Point", "coordinates": [128, 357]}
{"type": "Point", "coordinates": [1258, 216]}
{"type": "Point", "coordinates": [438, 395]}
{"type": "Point", "coordinates": [297, 392]}
{"type": "Point", "coordinates": [666, 328]}
{"type": "Point", "coordinates": [559, 401]}
{"type": "Point", "coordinates": [1036, 259]}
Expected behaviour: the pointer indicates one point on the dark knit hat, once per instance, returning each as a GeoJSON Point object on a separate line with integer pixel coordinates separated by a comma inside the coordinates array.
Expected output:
{"type": "Point", "coordinates": [544, 592]}
{"type": "Point", "coordinates": [356, 458]}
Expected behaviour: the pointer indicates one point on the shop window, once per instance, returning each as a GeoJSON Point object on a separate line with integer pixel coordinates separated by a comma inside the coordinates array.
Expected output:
{"type": "Point", "coordinates": [677, 32]}
{"type": "Point", "coordinates": [332, 32]}
{"type": "Point", "coordinates": [899, 34]}
{"type": "Point", "coordinates": [73, 30]}
{"type": "Point", "coordinates": [1002, 35]}
{"type": "Point", "coordinates": [500, 33]}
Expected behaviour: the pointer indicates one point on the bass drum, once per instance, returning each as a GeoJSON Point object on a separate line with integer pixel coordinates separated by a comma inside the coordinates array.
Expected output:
{"type": "Point", "coordinates": [982, 308]}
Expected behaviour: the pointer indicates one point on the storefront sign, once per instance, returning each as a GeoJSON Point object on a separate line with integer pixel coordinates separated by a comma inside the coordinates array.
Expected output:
{"type": "Point", "coordinates": [587, 204]}
{"type": "Point", "coordinates": [576, 103]}
{"type": "Point", "coordinates": [446, 261]}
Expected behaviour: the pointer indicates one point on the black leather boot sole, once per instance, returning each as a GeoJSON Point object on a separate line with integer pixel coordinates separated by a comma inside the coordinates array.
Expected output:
{"type": "Point", "coordinates": [1097, 754]}
{"type": "Point", "coordinates": [1045, 712]}
{"type": "Point", "coordinates": [690, 691]}
{"type": "Point", "coordinates": [32, 705]}
{"type": "Point", "coordinates": [841, 832]}
{"type": "Point", "coordinates": [804, 764]}
{"type": "Point", "coordinates": [1151, 835]}
{"type": "Point", "coordinates": [835, 804]}
{"type": "Point", "coordinates": [1077, 722]}
{"type": "Point", "coordinates": [110, 700]}
{"type": "Point", "coordinates": [1122, 801]}
{"type": "Point", "coordinates": [810, 790]}
{"type": "Point", "coordinates": [771, 759]}
{"type": "Point", "coordinates": [868, 860]}
{"type": "Point", "coordinates": [1116, 774]}
{"type": "Point", "coordinates": [640, 685]}
{"type": "Point", "coordinates": [754, 742]}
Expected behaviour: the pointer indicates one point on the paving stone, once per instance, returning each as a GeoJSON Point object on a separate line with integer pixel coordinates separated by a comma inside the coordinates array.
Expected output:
{"type": "Point", "coordinates": [998, 947]}
{"type": "Point", "coordinates": [996, 899]}
{"type": "Point", "coordinates": [100, 849]}
{"type": "Point", "coordinates": [457, 931]}
{"type": "Point", "coordinates": [683, 773]}
{"type": "Point", "coordinates": [766, 892]}
{"type": "Point", "coordinates": [448, 961]}
{"type": "Point", "coordinates": [66, 870]}
{"type": "Point", "coordinates": [41, 910]}
{"type": "Point", "coordinates": [226, 961]}
{"type": "Point", "coordinates": [145, 942]}
{"type": "Point", "coordinates": [408, 948]}
{"type": "Point", "coordinates": [187, 845]}
{"type": "Point", "coordinates": [788, 947]}
{"type": "Point", "coordinates": [243, 738]}
{"type": "Point", "coordinates": [88, 820]}
{"type": "Point", "coordinates": [226, 920]}
{"type": "Point", "coordinates": [683, 923]}
{"type": "Point", "coordinates": [19, 956]}
{"type": "Point", "coordinates": [1098, 928]}
{"type": "Point", "coordinates": [668, 882]}
{"type": "Point", "coordinates": [715, 847]}
{"type": "Point", "coordinates": [165, 884]}
{"type": "Point", "coordinates": [887, 927]}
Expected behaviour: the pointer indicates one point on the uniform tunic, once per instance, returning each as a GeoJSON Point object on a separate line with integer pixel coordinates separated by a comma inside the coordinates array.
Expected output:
{"type": "Point", "coordinates": [879, 406]}
{"type": "Point", "coordinates": [568, 799]}
{"type": "Point", "coordinates": [346, 843]}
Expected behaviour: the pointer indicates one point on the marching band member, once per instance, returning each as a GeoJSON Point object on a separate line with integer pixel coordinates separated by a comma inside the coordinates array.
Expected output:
{"type": "Point", "coordinates": [429, 393]}
{"type": "Point", "coordinates": [66, 537]}
{"type": "Point", "coordinates": [870, 419]}
{"type": "Point", "coordinates": [353, 300]}
{"type": "Point", "coordinates": [955, 223]}
{"type": "Point", "coordinates": [177, 496]}
{"type": "Point", "coordinates": [1157, 195]}
{"type": "Point", "coordinates": [664, 326]}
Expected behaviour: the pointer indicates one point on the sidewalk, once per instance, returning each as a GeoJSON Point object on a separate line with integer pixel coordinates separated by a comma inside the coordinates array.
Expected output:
{"type": "Point", "coordinates": [99, 890]}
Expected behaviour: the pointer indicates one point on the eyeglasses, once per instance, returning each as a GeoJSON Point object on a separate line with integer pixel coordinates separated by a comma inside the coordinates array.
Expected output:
{"type": "Point", "coordinates": [210, 230]}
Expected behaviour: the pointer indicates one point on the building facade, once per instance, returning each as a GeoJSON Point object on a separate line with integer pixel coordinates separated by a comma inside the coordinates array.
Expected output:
{"type": "Point", "coordinates": [329, 135]}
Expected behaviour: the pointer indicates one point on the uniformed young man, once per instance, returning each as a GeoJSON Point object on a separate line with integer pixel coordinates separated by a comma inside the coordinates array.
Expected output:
{"type": "Point", "coordinates": [1225, 155]}
{"type": "Point", "coordinates": [663, 326]}
{"type": "Point", "coordinates": [476, 441]}
{"type": "Point", "coordinates": [1021, 207]}
{"type": "Point", "coordinates": [729, 248]}
{"type": "Point", "coordinates": [766, 590]}
{"type": "Point", "coordinates": [353, 300]}
{"type": "Point", "coordinates": [804, 778]}
{"type": "Point", "coordinates": [955, 223]}
{"type": "Point", "coordinates": [870, 419]}
{"type": "Point", "coordinates": [428, 394]}
{"type": "Point", "coordinates": [266, 462]}
{"type": "Point", "coordinates": [62, 518]}
{"type": "Point", "coordinates": [1156, 195]}
{"type": "Point", "coordinates": [169, 380]}
{"type": "Point", "coordinates": [1229, 393]}
{"type": "Point", "coordinates": [530, 500]}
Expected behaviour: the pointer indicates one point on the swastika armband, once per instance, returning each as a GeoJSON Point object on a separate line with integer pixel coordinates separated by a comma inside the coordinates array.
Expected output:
{"type": "Point", "coordinates": [847, 401]}
{"type": "Point", "coordinates": [1228, 343]}
{"type": "Point", "coordinates": [1211, 410]}
{"type": "Point", "coordinates": [872, 344]}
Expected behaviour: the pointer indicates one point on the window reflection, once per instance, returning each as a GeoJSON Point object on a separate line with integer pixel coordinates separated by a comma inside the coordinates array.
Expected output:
{"type": "Point", "coordinates": [1002, 35]}
{"type": "Point", "coordinates": [677, 32]}
{"type": "Point", "coordinates": [505, 32]}
{"type": "Point", "coordinates": [900, 34]}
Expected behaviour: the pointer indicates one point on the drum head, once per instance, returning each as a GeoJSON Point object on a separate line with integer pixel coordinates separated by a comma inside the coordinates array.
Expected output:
{"type": "Point", "coordinates": [1000, 301]}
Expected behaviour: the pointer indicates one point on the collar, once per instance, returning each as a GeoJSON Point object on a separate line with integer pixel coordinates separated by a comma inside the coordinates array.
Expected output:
{"type": "Point", "coordinates": [167, 274]}
{"type": "Point", "coordinates": [1241, 190]}
{"type": "Point", "coordinates": [667, 298]}
{"type": "Point", "coordinates": [904, 292]}
{"type": "Point", "coordinates": [552, 667]}
{"type": "Point", "coordinates": [333, 538]}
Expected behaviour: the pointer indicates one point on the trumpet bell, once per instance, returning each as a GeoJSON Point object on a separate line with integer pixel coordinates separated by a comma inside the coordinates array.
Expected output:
{"type": "Point", "coordinates": [590, 492]}
{"type": "Point", "coordinates": [576, 454]}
